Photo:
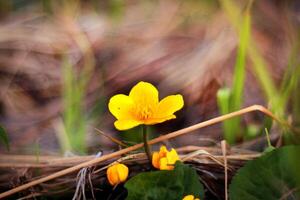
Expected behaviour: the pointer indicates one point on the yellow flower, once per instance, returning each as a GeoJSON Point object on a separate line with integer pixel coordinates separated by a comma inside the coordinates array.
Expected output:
{"type": "Point", "coordinates": [117, 173]}
{"type": "Point", "coordinates": [142, 106]}
{"type": "Point", "coordinates": [190, 197]}
{"type": "Point", "coordinates": [164, 159]}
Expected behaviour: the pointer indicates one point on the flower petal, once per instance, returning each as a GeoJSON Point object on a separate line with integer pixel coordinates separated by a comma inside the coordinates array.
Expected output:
{"type": "Point", "coordinates": [163, 151]}
{"type": "Point", "coordinates": [124, 124]}
{"type": "Point", "coordinates": [112, 175]}
{"type": "Point", "coordinates": [155, 160]}
{"type": "Point", "coordinates": [168, 106]}
{"type": "Point", "coordinates": [172, 157]}
{"type": "Point", "coordinates": [122, 172]}
{"type": "Point", "coordinates": [144, 94]}
{"type": "Point", "coordinates": [189, 197]}
{"type": "Point", "coordinates": [121, 106]}
{"type": "Point", "coordinates": [163, 164]}
{"type": "Point", "coordinates": [159, 120]}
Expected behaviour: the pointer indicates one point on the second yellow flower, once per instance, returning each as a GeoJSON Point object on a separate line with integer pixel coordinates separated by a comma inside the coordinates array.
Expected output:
{"type": "Point", "coordinates": [164, 159]}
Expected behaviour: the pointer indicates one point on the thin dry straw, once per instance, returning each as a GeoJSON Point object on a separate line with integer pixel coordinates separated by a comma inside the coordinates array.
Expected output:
{"type": "Point", "coordinates": [137, 146]}
{"type": "Point", "coordinates": [223, 146]}
{"type": "Point", "coordinates": [82, 175]}
{"type": "Point", "coordinates": [111, 138]}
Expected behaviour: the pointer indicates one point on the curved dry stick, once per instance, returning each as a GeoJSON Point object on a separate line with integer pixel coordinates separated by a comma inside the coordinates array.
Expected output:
{"type": "Point", "coordinates": [137, 146]}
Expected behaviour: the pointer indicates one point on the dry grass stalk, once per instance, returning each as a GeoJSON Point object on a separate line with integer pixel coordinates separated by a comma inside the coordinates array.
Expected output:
{"type": "Point", "coordinates": [224, 151]}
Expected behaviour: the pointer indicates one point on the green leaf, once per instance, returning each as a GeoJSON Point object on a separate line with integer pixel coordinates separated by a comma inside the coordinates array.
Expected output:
{"type": "Point", "coordinates": [269, 149]}
{"type": "Point", "coordinates": [157, 185]}
{"type": "Point", "coordinates": [4, 138]}
{"type": "Point", "coordinates": [272, 176]}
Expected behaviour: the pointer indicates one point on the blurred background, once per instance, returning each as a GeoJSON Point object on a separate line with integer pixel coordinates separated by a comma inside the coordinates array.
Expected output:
{"type": "Point", "coordinates": [61, 61]}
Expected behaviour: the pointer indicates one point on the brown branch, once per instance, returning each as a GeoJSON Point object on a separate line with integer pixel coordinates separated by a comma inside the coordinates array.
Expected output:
{"type": "Point", "coordinates": [137, 146]}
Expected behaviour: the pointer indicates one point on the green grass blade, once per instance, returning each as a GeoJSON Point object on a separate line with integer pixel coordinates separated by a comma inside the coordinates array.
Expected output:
{"type": "Point", "coordinates": [262, 74]}
{"type": "Point", "coordinates": [74, 118]}
{"type": "Point", "coordinates": [239, 70]}
{"type": "Point", "coordinates": [291, 78]}
{"type": "Point", "coordinates": [223, 99]}
{"type": "Point", "coordinates": [259, 65]}
{"type": "Point", "coordinates": [4, 138]}
{"type": "Point", "coordinates": [235, 97]}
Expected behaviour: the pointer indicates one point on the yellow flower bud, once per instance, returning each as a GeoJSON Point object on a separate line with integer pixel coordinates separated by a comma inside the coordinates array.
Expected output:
{"type": "Point", "coordinates": [164, 159]}
{"type": "Point", "coordinates": [190, 197]}
{"type": "Point", "coordinates": [117, 173]}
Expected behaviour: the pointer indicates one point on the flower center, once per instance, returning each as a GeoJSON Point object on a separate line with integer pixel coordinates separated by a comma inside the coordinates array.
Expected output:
{"type": "Point", "coordinates": [144, 112]}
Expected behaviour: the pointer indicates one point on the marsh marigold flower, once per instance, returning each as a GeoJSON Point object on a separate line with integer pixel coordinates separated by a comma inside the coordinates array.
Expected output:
{"type": "Point", "coordinates": [164, 159]}
{"type": "Point", "coordinates": [117, 173]}
{"type": "Point", "coordinates": [190, 197]}
{"type": "Point", "coordinates": [142, 106]}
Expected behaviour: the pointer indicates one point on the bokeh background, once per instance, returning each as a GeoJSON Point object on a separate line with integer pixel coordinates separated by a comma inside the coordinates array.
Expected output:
{"type": "Point", "coordinates": [61, 61]}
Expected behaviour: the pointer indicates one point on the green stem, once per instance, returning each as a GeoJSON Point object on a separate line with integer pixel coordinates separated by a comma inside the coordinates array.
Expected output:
{"type": "Point", "coordinates": [268, 138]}
{"type": "Point", "coordinates": [146, 145]}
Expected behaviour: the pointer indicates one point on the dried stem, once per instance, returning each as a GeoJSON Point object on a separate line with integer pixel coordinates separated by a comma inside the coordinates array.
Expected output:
{"type": "Point", "coordinates": [137, 146]}
{"type": "Point", "coordinates": [224, 152]}
{"type": "Point", "coordinates": [118, 142]}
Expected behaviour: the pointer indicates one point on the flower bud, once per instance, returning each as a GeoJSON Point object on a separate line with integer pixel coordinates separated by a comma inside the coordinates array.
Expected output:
{"type": "Point", "coordinates": [164, 159]}
{"type": "Point", "coordinates": [117, 173]}
{"type": "Point", "coordinates": [190, 197]}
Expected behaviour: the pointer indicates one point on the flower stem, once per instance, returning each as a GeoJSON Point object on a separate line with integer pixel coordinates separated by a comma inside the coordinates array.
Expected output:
{"type": "Point", "coordinates": [146, 145]}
